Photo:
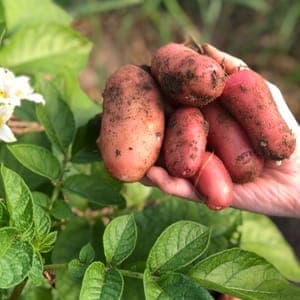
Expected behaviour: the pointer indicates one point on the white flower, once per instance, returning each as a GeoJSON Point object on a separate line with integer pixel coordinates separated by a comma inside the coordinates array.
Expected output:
{"type": "Point", "coordinates": [14, 89]}
{"type": "Point", "coordinates": [6, 134]}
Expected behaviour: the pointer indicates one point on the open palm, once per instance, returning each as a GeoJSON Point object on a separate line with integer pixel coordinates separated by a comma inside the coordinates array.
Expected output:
{"type": "Point", "coordinates": [275, 192]}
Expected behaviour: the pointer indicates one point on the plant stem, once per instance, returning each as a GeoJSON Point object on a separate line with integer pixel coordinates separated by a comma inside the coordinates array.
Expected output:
{"type": "Point", "coordinates": [18, 290]}
{"type": "Point", "coordinates": [54, 267]}
{"type": "Point", "coordinates": [131, 274]}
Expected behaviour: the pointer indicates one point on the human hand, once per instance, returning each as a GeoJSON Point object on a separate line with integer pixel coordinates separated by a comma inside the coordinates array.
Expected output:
{"type": "Point", "coordinates": [275, 192]}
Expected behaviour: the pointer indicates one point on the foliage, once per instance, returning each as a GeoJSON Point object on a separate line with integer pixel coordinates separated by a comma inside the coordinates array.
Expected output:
{"type": "Point", "coordinates": [61, 213]}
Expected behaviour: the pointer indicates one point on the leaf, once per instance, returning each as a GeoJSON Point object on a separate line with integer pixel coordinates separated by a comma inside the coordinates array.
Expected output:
{"type": "Point", "coordinates": [47, 243]}
{"type": "Point", "coordinates": [37, 159]}
{"type": "Point", "coordinates": [77, 233]}
{"type": "Point", "coordinates": [45, 48]}
{"type": "Point", "coordinates": [243, 274]}
{"type": "Point", "coordinates": [136, 193]}
{"type": "Point", "coordinates": [152, 221]}
{"type": "Point", "coordinates": [119, 239]}
{"type": "Point", "coordinates": [42, 222]}
{"type": "Point", "coordinates": [133, 289]}
{"type": "Point", "coordinates": [55, 116]}
{"type": "Point", "coordinates": [4, 216]}
{"type": "Point", "coordinates": [19, 202]}
{"type": "Point", "coordinates": [82, 106]}
{"type": "Point", "coordinates": [24, 12]}
{"type": "Point", "coordinates": [67, 286]}
{"type": "Point", "coordinates": [178, 245]}
{"type": "Point", "coordinates": [261, 236]}
{"type": "Point", "coordinates": [99, 283]}
{"type": "Point", "coordinates": [76, 268]}
{"type": "Point", "coordinates": [151, 287]}
{"type": "Point", "coordinates": [93, 189]}
{"type": "Point", "coordinates": [177, 286]}
{"type": "Point", "coordinates": [36, 272]}
{"type": "Point", "coordinates": [173, 286]}
{"type": "Point", "coordinates": [87, 254]}
{"type": "Point", "coordinates": [41, 199]}
{"type": "Point", "coordinates": [16, 257]}
{"type": "Point", "coordinates": [84, 148]}
{"type": "Point", "coordinates": [61, 210]}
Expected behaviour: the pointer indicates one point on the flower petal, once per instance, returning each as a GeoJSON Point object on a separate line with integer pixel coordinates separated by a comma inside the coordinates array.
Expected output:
{"type": "Point", "coordinates": [6, 112]}
{"type": "Point", "coordinates": [6, 134]}
{"type": "Point", "coordinates": [35, 97]}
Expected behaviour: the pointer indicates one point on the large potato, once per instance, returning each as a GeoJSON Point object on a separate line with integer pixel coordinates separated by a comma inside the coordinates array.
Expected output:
{"type": "Point", "coordinates": [186, 76]}
{"type": "Point", "coordinates": [132, 123]}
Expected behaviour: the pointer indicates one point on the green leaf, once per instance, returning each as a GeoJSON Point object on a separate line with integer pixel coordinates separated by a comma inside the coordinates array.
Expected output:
{"type": "Point", "coordinates": [87, 254]}
{"type": "Point", "coordinates": [37, 159]}
{"type": "Point", "coordinates": [82, 106]}
{"type": "Point", "coordinates": [133, 289]}
{"type": "Point", "coordinates": [260, 235]}
{"type": "Point", "coordinates": [41, 200]}
{"type": "Point", "coordinates": [19, 202]}
{"type": "Point", "coordinates": [173, 286]}
{"type": "Point", "coordinates": [136, 193]}
{"type": "Point", "coordinates": [61, 210]}
{"type": "Point", "coordinates": [24, 12]}
{"type": "Point", "coordinates": [243, 274]}
{"type": "Point", "coordinates": [77, 233]}
{"type": "Point", "coordinates": [4, 216]}
{"type": "Point", "coordinates": [42, 222]}
{"type": "Point", "coordinates": [55, 116]}
{"type": "Point", "coordinates": [47, 243]}
{"type": "Point", "coordinates": [36, 272]}
{"type": "Point", "coordinates": [84, 148]}
{"type": "Point", "coordinates": [151, 287]}
{"type": "Point", "coordinates": [177, 286]}
{"type": "Point", "coordinates": [93, 189]}
{"type": "Point", "coordinates": [45, 48]}
{"type": "Point", "coordinates": [153, 220]}
{"type": "Point", "coordinates": [178, 246]}
{"type": "Point", "coordinates": [67, 286]}
{"type": "Point", "coordinates": [99, 283]}
{"type": "Point", "coordinates": [16, 257]}
{"type": "Point", "coordinates": [119, 239]}
{"type": "Point", "coordinates": [76, 268]}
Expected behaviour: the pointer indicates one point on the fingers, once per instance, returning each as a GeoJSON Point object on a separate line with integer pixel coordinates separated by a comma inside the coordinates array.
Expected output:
{"type": "Point", "coordinates": [230, 63]}
{"type": "Point", "coordinates": [172, 185]}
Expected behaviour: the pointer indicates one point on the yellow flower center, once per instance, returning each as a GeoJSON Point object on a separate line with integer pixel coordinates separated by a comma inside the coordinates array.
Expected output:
{"type": "Point", "coordinates": [3, 94]}
{"type": "Point", "coordinates": [1, 121]}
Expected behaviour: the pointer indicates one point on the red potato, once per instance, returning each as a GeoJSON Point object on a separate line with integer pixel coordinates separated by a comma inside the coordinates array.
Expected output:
{"type": "Point", "coordinates": [185, 142]}
{"type": "Point", "coordinates": [132, 126]}
{"type": "Point", "coordinates": [229, 141]}
{"type": "Point", "coordinates": [248, 98]}
{"type": "Point", "coordinates": [213, 181]}
{"type": "Point", "coordinates": [186, 76]}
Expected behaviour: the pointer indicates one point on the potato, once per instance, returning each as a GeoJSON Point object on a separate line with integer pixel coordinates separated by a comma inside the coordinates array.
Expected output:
{"type": "Point", "coordinates": [229, 141]}
{"type": "Point", "coordinates": [186, 76]}
{"type": "Point", "coordinates": [248, 98]}
{"type": "Point", "coordinates": [213, 181]}
{"type": "Point", "coordinates": [132, 126]}
{"type": "Point", "coordinates": [185, 142]}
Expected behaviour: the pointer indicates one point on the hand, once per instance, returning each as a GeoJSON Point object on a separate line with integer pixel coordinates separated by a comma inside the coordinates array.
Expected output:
{"type": "Point", "coordinates": [275, 192]}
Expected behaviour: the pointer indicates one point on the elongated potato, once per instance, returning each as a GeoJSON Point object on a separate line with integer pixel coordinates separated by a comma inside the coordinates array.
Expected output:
{"type": "Point", "coordinates": [248, 98]}
{"type": "Point", "coordinates": [229, 141]}
{"type": "Point", "coordinates": [185, 142]}
{"type": "Point", "coordinates": [132, 126]}
{"type": "Point", "coordinates": [186, 76]}
{"type": "Point", "coordinates": [213, 181]}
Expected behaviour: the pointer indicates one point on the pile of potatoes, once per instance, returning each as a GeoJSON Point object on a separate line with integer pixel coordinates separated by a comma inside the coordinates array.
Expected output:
{"type": "Point", "coordinates": [185, 114]}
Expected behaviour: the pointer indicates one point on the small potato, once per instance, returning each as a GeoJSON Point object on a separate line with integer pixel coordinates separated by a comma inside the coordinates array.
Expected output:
{"type": "Point", "coordinates": [213, 181]}
{"type": "Point", "coordinates": [247, 97]}
{"type": "Point", "coordinates": [185, 142]}
{"type": "Point", "coordinates": [229, 141]}
{"type": "Point", "coordinates": [132, 126]}
{"type": "Point", "coordinates": [186, 76]}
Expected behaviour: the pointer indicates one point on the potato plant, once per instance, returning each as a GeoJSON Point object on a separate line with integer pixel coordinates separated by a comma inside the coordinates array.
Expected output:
{"type": "Point", "coordinates": [69, 230]}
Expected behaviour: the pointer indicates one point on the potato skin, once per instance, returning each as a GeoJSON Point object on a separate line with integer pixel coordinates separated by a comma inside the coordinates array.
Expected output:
{"type": "Point", "coordinates": [186, 76]}
{"type": "Point", "coordinates": [213, 181]}
{"type": "Point", "coordinates": [132, 126]}
{"type": "Point", "coordinates": [185, 142]}
{"type": "Point", "coordinates": [229, 141]}
{"type": "Point", "coordinates": [248, 98]}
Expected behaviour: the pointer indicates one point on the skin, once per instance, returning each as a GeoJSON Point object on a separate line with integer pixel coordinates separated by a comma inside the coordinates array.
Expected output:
{"type": "Point", "coordinates": [276, 192]}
